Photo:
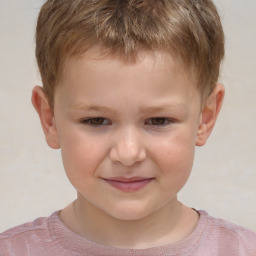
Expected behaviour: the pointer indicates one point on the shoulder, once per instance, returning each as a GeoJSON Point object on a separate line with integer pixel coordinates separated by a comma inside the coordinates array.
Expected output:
{"type": "Point", "coordinates": [229, 235]}
{"type": "Point", "coordinates": [30, 234]}
{"type": "Point", "coordinates": [38, 225]}
{"type": "Point", "coordinates": [229, 229]}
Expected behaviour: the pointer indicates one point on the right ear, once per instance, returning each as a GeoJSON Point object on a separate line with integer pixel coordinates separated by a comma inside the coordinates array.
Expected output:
{"type": "Point", "coordinates": [41, 104]}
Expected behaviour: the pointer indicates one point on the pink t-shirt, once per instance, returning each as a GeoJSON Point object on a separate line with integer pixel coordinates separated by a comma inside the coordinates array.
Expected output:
{"type": "Point", "coordinates": [50, 237]}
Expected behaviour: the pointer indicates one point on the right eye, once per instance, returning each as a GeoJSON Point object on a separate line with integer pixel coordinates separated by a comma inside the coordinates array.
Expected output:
{"type": "Point", "coordinates": [98, 121]}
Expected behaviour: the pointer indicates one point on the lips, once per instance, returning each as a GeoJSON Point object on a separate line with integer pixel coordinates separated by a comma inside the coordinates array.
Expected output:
{"type": "Point", "coordinates": [128, 184]}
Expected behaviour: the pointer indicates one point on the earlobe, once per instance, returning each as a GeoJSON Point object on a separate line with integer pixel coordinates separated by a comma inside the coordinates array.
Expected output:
{"type": "Point", "coordinates": [209, 114]}
{"type": "Point", "coordinates": [40, 103]}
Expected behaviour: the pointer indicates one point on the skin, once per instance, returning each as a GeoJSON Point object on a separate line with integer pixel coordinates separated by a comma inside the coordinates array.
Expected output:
{"type": "Point", "coordinates": [128, 119]}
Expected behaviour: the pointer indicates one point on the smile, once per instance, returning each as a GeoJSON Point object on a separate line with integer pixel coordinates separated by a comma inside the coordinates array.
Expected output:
{"type": "Point", "coordinates": [128, 184]}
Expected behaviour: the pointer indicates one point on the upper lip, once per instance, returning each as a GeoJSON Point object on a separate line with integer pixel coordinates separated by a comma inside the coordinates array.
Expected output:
{"type": "Point", "coordinates": [127, 180]}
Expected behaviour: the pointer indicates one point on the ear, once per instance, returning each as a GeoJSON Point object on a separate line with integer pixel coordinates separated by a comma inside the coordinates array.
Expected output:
{"type": "Point", "coordinates": [40, 103]}
{"type": "Point", "coordinates": [209, 114]}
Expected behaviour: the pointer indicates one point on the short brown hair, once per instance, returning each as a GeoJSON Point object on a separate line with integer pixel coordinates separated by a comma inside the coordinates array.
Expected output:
{"type": "Point", "coordinates": [189, 29]}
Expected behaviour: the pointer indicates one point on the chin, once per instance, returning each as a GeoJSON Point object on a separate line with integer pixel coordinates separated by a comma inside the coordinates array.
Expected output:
{"type": "Point", "coordinates": [130, 212]}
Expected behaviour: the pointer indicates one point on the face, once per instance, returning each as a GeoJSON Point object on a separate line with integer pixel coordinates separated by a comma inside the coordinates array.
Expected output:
{"type": "Point", "coordinates": [127, 131]}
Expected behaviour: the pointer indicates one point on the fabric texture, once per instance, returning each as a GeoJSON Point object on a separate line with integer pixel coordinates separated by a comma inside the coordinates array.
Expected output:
{"type": "Point", "coordinates": [50, 237]}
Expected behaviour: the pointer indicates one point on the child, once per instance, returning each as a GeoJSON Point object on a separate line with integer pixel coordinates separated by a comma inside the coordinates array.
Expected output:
{"type": "Point", "coordinates": [129, 89]}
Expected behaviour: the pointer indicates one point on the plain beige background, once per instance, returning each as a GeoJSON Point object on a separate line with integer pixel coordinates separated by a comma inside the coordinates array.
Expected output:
{"type": "Point", "coordinates": [32, 179]}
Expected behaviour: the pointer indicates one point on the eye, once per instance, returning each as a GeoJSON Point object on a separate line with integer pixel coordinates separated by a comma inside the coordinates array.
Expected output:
{"type": "Point", "coordinates": [159, 121]}
{"type": "Point", "coordinates": [98, 121]}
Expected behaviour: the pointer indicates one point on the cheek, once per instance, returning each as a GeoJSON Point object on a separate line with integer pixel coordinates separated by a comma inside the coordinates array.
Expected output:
{"type": "Point", "coordinates": [176, 149]}
{"type": "Point", "coordinates": [175, 158]}
{"type": "Point", "coordinates": [81, 154]}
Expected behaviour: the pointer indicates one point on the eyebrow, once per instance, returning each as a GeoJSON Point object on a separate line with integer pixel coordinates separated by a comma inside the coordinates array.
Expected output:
{"type": "Point", "coordinates": [143, 110]}
{"type": "Point", "coordinates": [95, 108]}
{"type": "Point", "coordinates": [164, 107]}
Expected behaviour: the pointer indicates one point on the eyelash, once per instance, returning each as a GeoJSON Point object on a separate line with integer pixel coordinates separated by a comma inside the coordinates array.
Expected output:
{"type": "Point", "coordinates": [166, 121]}
{"type": "Point", "coordinates": [89, 121]}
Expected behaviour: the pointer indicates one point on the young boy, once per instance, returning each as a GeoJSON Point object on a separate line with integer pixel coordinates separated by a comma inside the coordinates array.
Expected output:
{"type": "Point", "coordinates": [129, 89]}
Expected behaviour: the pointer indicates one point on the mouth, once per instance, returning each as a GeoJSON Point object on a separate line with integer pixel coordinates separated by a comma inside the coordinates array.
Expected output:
{"type": "Point", "coordinates": [128, 184]}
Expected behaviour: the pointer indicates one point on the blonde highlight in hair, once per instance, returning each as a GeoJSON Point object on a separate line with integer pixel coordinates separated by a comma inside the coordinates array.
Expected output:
{"type": "Point", "coordinates": [191, 30]}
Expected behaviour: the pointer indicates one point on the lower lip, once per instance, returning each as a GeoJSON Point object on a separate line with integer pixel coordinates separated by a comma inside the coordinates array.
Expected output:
{"type": "Point", "coordinates": [129, 186]}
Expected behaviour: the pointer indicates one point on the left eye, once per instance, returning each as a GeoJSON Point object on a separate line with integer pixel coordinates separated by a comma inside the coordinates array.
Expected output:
{"type": "Point", "coordinates": [159, 121]}
{"type": "Point", "coordinates": [98, 121]}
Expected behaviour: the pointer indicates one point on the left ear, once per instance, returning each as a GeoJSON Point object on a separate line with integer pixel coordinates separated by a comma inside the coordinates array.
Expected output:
{"type": "Point", "coordinates": [209, 114]}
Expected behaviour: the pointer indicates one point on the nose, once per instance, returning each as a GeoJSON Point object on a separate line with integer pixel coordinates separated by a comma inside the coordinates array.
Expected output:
{"type": "Point", "coordinates": [127, 148]}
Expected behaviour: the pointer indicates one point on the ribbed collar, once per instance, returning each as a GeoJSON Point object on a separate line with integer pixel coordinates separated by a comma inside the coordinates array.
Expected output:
{"type": "Point", "coordinates": [75, 244]}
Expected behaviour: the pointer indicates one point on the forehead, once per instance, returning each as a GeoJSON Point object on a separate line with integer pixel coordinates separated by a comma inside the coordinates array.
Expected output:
{"type": "Point", "coordinates": [102, 59]}
{"type": "Point", "coordinates": [97, 71]}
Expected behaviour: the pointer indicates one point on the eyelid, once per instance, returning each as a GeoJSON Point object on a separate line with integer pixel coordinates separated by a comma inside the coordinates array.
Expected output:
{"type": "Point", "coordinates": [167, 121]}
{"type": "Point", "coordinates": [88, 121]}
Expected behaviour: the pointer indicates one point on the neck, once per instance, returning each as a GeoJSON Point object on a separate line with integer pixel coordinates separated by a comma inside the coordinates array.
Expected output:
{"type": "Point", "coordinates": [170, 224]}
